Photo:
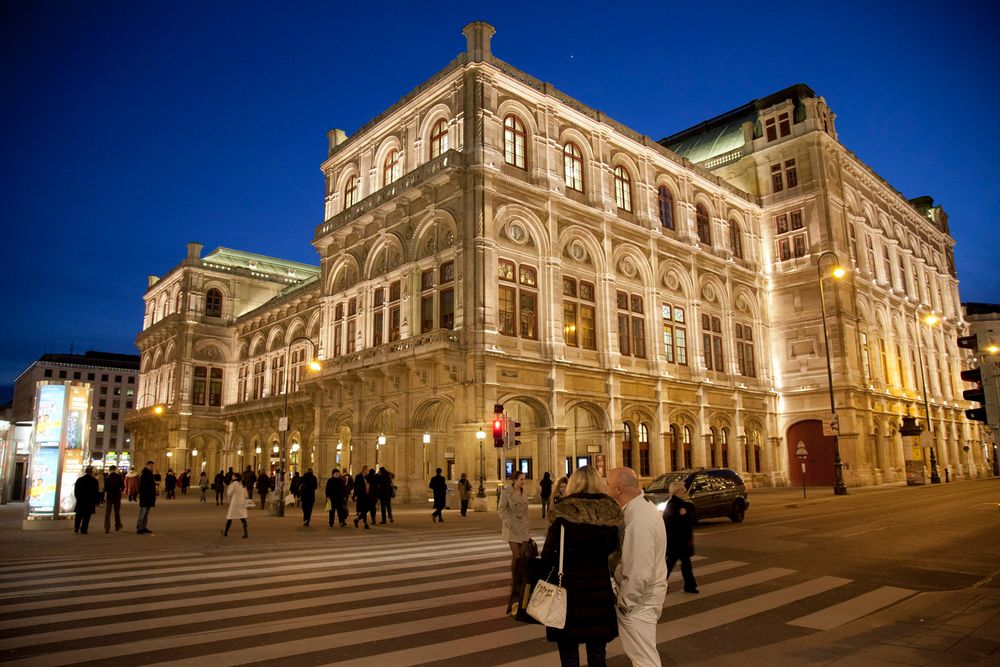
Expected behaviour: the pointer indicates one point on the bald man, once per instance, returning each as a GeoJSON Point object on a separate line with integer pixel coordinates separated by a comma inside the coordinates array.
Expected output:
{"type": "Point", "coordinates": [641, 574]}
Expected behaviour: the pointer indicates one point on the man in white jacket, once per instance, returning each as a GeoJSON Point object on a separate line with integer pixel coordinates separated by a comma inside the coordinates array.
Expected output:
{"type": "Point", "coordinates": [641, 575]}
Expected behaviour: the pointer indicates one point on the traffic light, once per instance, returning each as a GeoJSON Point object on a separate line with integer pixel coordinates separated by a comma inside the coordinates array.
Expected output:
{"type": "Point", "coordinates": [977, 395]}
{"type": "Point", "coordinates": [969, 342]}
{"type": "Point", "coordinates": [514, 426]}
{"type": "Point", "coordinates": [498, 432]}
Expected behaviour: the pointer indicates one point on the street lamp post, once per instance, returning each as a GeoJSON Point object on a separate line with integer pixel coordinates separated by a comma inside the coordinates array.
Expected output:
{"type": "Point", "coordinates": [930, 320]}
{"type": "Point", "coordinates": [279, 505]}
{"type": "Point", "coordinates": [801, 452]}
{"type": "Point", "coordinates": [481, 436]}
{"type": "Point", "coordinates": [839, 488]}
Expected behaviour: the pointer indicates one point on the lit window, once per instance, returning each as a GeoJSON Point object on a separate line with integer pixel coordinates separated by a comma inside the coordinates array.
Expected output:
{"type": "Point", "coordinates": [514, 140]}
{"type": "Point", "coordinates": [674, 334]}
{"type": "Point", "coordinates": [351, 191]}
{"type": "Point", "coordinates": [627, 445]}
{"type": "Point", "coordinates": [631, 325]}
{"type": "Point", "coordinates": [213, 303]}
{"type": "Point", "coordinates": [623, 189]}
{"type": "Point", "coordinates": [392, 169]}
{"type": "Point", "coordinates": [573, 167]}
{"type": "Point", "coordinates": [517, 310]}
{"type": "Point", "coordinates": [439, 138]}
{"type": "Point", "coordinates": [735, 239]}
{"type": "Point", "coordinates": [579, 314]}
{"type": "Point", "coordinates": [711, 337]}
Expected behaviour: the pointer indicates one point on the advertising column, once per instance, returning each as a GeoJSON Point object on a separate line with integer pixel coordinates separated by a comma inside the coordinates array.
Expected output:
{"type": "Point", "coordinates": [57, 450]}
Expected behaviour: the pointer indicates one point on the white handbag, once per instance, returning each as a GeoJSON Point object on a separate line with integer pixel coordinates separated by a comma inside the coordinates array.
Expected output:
{"type": "Point", "coordinates": [548, 601]}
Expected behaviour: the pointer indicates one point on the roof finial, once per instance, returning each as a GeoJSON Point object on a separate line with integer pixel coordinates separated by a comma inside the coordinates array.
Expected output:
{"type": "Point", "coordinates": [477, 36]}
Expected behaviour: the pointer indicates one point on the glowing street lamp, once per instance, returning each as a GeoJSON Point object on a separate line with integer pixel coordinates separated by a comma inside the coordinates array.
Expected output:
{"type": "Point", "coordinates": [838, 272]}
{"type": "Point", "coordinates": [481, 436]}
{"type": "Point", "coordinates": [930, 319]}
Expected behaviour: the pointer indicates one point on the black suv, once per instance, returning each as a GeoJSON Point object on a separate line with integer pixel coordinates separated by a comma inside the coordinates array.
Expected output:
{"type": "Point", "coordinates": [714, 492]}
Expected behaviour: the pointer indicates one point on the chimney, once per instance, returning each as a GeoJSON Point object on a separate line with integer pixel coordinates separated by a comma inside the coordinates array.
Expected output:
{"type": "Point", "coordinates": [336, 137]}
{"type": "Point", "coordinates": [477, 38]}
{"type": "Point", "coordinates": [194, 250]}
{"type": "Point", "coordinates": [151, 280]}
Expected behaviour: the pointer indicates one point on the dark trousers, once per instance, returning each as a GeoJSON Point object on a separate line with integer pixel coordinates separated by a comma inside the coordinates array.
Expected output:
{"type": "Point", "coordinates": [465, 507]}
{"type": "Point", "coordinates": [263, 499]}
{"type": "Point", "coordinates": [686, 571]}
{"type": "Point", "coordinates": [218, 495]}
{"type": "Point", "coordinates": [372, 508]}
{"type": "Point", "coordinates": [142, 518]}
{"type": "Point", "coordinates": [437, 512]}
{"type": "Point", "coordinates": [338, 512]}
{"type": "Point", "coordinates": [386, 504]}
{"type": "Point", "coordinates": [569, 654]}
{"type": "Point", "coordinates": [81, 521]}
{"type": "Point", "coordinates": [115, 503]}
{"type": "Point", "coordinates": [361, 506]}
{"type": "Point", "coordinates": [545, 507]}
{"type": "Point", "coordinates": [307, 510]}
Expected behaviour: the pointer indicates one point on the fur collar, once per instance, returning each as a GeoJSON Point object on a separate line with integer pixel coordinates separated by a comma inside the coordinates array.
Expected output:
{"type": "Point", "coordinates": [592, 508]}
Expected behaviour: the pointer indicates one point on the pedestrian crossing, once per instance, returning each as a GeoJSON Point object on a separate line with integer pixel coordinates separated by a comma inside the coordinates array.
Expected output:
{"type": "Point", "coordinates": [393, 601]}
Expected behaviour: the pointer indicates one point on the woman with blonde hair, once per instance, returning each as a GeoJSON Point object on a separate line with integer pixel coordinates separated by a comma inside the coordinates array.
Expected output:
{"type": "Point", "coordinates": [591, 520]}
{"type": "Point", "coordinates": [516, 530]}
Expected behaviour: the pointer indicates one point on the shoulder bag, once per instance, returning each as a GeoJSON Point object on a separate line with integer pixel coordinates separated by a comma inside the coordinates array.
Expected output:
{"type": "Point", "coordinates": [548, 601]}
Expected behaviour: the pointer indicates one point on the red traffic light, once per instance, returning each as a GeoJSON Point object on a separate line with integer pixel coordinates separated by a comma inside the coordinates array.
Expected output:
{"type": "Point", "coordinates": [497, 428]}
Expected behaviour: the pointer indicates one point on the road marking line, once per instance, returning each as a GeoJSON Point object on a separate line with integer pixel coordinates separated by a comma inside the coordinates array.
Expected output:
{"type": "Point", "coordinates": [853, 609]}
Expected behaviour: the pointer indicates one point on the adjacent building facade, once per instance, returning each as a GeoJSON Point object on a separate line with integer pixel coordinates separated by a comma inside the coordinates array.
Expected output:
{"type": "Point", "coordinates": [488, 239]}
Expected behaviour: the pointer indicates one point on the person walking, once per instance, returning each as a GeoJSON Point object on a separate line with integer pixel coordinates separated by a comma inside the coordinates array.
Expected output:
{"type": "Point", "coordinates": [219, 485]}
{"type": "Point", "coordinates": [592, 521]}
{"type": "Point", "coordinates": [87, 492]}
{"type": "Point", "coordinates": [440, 488]}
{"type": "Point", "coordinates": [641, 573]}
{"type": "Point", "coordinates": [203, 485]}
{"type": "Point", "coordinates": [236, 495]}
{"type": "Point", "coordinates": [464, 493]}
{"type": "Point", "coordinates": [249, 481]}
{"type": "Point", "coordinates": [385, 492]}
{"type": "Point", "coordinates": [147, 498]}
{"type": "Point", "coordinates": [99, 476]}
{"type": "Point", "coordinates": [307, 491]}
{"type": "Point", "coordinates": [263, 488]}
{"type": "Point", "coordinates": [113, 487]}
{"type": "Point", "coordinates": [678, 517]}
{"type": "Point", "coordinates": [132, 485]}
{"type": "Point", "coordinates": [336, 496]}
{"type": "Point", "coordinates": [170, 484]}
{"type": "Point", "coordinates": [374, 493]}
{"type": "Point", "coordinates": [545, 493]}
{"type": "Point", "coordinates": [185, 481]}
{"type": "Point", "coordinates": [516, 531]}
{"type": "Point", "coordinates": [294, 486]}
{"type": "Point", "coordinates": [361, 497]}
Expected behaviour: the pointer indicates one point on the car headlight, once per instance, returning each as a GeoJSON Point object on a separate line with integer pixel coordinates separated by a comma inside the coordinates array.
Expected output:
{"type": "Point", "coordinates": [661, 506]}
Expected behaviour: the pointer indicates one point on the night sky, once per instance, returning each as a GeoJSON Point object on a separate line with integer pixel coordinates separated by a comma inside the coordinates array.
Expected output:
{"type": "Point", "coordinates": [131, 128]}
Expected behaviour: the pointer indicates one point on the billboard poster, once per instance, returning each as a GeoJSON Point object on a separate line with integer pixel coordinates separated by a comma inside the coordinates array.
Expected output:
{"type": "Point", "coordinates": [124, 462]}
{"type": "Point", "coordinates": [110, 459]}
{"type": "Point", "coordinates": [76, 416]}
{"type": "Point", "coordinates": [72, 469]}
{"type": "Point", "coordinates": [49, 414]}
{"type": "Point", "coordinates": [42, 493]}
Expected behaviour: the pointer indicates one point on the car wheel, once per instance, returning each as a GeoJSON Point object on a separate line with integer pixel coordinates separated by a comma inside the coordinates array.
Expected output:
{"type": "Point", "coordinates": [739, 511]}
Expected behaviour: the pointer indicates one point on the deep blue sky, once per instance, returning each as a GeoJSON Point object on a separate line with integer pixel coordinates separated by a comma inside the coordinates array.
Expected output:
{"type": "Point", "coordinates": [131, 128]}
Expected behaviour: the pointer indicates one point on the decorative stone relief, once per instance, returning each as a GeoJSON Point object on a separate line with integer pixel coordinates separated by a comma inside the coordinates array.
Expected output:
{"type": "Point", "coordinates": [708, 293]}
{"type": "Point", "coordinates": [672, 282]}
{"type": "Point", "coordinates": [627, 267]}
{"type": "Point", "coordinates": [578, 252]}
{"type": "Point", "coordinates": [516, 233]}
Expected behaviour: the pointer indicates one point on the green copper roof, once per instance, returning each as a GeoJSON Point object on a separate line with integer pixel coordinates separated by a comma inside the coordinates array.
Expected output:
{"type": "Point", "coordinates": [261, 264]}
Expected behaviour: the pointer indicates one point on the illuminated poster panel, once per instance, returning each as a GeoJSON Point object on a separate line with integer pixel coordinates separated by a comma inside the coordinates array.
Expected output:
{"type": "Point", "coordinates": [44, 469]}
{"type": "Point", "coordinates": [72, 468]}
{"type": "Point", "coordinates": [77, 417]}
{"type": "Point", "coordinates": [49, 414]}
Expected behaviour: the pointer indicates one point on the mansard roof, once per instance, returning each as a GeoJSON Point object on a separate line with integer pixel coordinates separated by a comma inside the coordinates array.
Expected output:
{"type": "Point", "coordinates": [724, 133]}
{"type": "Point", "coordinates": [262, 265]}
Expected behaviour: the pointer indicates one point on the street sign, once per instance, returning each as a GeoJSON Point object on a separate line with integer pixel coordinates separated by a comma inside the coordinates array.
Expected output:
{"type": "Point", "coordinates": [831, 425]}
{"type": "Point", "coordinates": [283, 423]}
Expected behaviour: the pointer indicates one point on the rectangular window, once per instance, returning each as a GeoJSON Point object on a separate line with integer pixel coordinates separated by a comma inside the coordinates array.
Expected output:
{"type": "Point", "coordinates": [351, 333]}
{"type": "Point", "coordinates": [570, 323]}
{"type": "Point", "coordinates": [90, 377]}
{"type": "Point", "coordinates": [337, 336]}
{"type": "Point", "coordinates": [866, 360]}
{"type": "Point", "coordinates": [215, 388]}
{"type": "Point", "coordinates": [711, 328]}
{"type": "Point", "coordinates": [791, 178]}
{"type": "Point", "coordinates": [378, 321]}
{"type": "Point", "coordinates": [784, 125]}
{"type": "Point", "coordinates": [76, 375]}
{"type": "Point", "coordinates": [638, 337]}
{"type": "Point", "coordinates": [394, 323]}
{"type": "Point", "coordinates": [446, 306]}
{"type": "Point", "coordinates": [781, 224]}
{"type": "Point", "coordinates": [744, 350]}
{"type": "Point", "coordinates": [199, 386]}
{"type": "Point", "coordinates": [796, 218]}
{"type": "Point", "coordinates": [631, 325]}
{"type": "Point", "coordinates": [623, 334]}
{"type": "Point", "coordinates": [426, 313]}
{"type": "Point", "coordinates": [103, 403]}
{"type": "Point", "coordinates": [800, 245]}
{"type": "Point", "coordinates": [777, 181]}
{"type": "Point", "coordinates": [506, 310]}
{"type": "Point", "coordinates": [588, 327]}
{"type": "Point", "coordinates": [524, 465]}
{"type": "Point", "coordinates": [784, 249]}
{"type": "Point", "coordinates": [771, 129]}
{"type": "Point", "coordinates": [529, 315]}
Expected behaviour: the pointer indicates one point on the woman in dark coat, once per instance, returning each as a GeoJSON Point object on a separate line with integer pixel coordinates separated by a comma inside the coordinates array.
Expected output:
{"type": "Point", "coordinates": [263, 488]}
{"type": "Point", "coordinates": [374, 493]}
{"type": "Point", "coordinates": [361, 497]}
{"type": "Point", "coordinates": [385, 492]}
{"type": "Point", "coordinates": [592, 520]}
{"type": "Point", "coordinates": [171, 484]}
{"type": "Point", "coordinates": [307, 491]}
{"type": "Point", "coordinates": [678, 516]}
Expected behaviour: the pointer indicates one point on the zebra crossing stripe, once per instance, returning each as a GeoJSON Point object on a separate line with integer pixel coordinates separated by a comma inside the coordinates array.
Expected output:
{"type": "Point", "coordinates": [200, 572]}
{"type": "Point", "coordinates": [853, 609]}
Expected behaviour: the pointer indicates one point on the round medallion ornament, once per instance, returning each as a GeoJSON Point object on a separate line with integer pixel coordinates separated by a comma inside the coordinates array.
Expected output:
{"type": "Point", "coordinates": [627, 267]}
{"type": "Point", "coordinates": [577, 251]}
{"type": "Point", "coordinates": [517, 233]}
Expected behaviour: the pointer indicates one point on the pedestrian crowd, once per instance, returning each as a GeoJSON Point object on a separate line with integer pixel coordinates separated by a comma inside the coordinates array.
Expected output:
{"type": "Point", "coordinates": [617, 548]}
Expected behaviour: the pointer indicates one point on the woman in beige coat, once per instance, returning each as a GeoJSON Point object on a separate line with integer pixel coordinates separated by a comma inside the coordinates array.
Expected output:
{"type": "Point", "coordinates": [236, 494]}
{"type": "Point", "coordinates": [516, 530]}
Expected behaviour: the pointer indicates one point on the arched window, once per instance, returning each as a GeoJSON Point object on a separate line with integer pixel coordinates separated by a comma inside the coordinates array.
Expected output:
{"type": "Point", "coordinates": [213, 303]}
{"type": "Point", "coordinates": [665, 201]}
{"type": "Point", "coordinates": [573, 166]}
{"type": "Point", "coordinates": [178, 301]}
{"type": "Point", "coordinates": [514, 140]}
{"type": "Point", "coordinates": [675, 445]}
{"type": "Point", "coordinates": [724, 446]}
{"type": "Point", "coordinates": [627, 445]}
{"type": "Point", "coordinates": [701, 224]}
{"type": "Point", "coordinates": [713, 443]}
{"type": "Point", "coordinates": [392, 169]}
{"type": "Point", "coordinates": [439, 138]}
{"type": "Point", "coordinates": [735, 240]}
{"type": "Point", "coordinates": [351, 191]}
{"type": "Point", "coordinates": [643, 450]}
{"type": "Point", "coordinates": [623, 189]}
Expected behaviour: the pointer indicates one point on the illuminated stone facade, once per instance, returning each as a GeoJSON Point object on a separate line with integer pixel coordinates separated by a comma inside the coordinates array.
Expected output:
{"type": "Point", "coordinates": [488, 239]}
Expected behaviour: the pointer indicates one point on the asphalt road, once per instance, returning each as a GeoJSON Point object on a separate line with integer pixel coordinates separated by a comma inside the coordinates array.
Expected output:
{"type": "Point", "coordinates": [881, 576]}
